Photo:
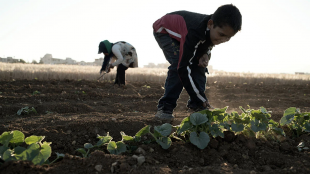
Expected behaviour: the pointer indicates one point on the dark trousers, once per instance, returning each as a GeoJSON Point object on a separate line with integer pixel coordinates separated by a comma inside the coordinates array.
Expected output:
{"type": "Point", "coordinates": [120, 74]}
{"type": "Point", "coordinates": [173, 84]}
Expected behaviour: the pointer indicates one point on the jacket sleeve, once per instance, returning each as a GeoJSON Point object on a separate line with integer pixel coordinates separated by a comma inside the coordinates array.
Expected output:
{"type": "Point", "coordinates": [117, 53]}
{"type": "Point", "coordinates": [186, 66]}
{"type": "Point", "coordinates": [106, 61]}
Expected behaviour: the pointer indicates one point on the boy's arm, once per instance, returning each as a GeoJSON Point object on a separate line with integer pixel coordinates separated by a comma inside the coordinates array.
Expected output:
{"type": "Point", "coordinates": [186, 66]}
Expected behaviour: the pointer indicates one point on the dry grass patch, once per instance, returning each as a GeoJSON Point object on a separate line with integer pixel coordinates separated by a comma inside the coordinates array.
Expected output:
{"type": "Point", "coordinates": [16, 71]}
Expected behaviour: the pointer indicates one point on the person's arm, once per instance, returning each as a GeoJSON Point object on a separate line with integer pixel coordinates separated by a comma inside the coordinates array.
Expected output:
{"type": "Point", "coordinates": [106, 61]}
{"type": "Point", "coordinates": [203, 55]}
{"type": "Point", "coordinates": [117, 53]}
{"type": "Point", "coordinates": [185, 68]}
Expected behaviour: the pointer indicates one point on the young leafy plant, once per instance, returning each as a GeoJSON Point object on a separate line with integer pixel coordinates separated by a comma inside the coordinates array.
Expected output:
{"type": "Point", "coordinates": [120, 147]}
{"type": "Point", "coordinates": [253, 122]}
{"type": "Point", "coordinates": [297, 121]}
{"type": "Point", "coordinates": [137, 138]}
{"type": "Point", "coordinates": [87, 146]}
{"type": "Point", "coordinates": [36, 152]}
{"type": "Point", "coordinates": [112, 146]}
{"type": "Point", "coordinates": [103, 140]}
{"type": "Point", "coordinates": [35, 93]}
{"type": "Point", "coordinates": [116, 147]}
{"type": "Point", "coordinates": [161, 135]}
{"type": "Point", "coordinates": [201, 125]}
{"type": "Point", "coordinates": [196, 126]}
{"type": "Point", "coordinates": [26, 111]}
{"type": "Point", "coordinates": [59, 155]}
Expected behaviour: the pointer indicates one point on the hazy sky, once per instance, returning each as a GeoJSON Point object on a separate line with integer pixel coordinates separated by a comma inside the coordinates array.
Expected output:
{"type": "Point", "coordinates": [275, 35]}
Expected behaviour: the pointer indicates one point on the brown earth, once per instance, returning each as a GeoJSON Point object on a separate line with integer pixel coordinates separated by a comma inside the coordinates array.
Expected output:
{"type": "Point", "coordinates": [71, 113]}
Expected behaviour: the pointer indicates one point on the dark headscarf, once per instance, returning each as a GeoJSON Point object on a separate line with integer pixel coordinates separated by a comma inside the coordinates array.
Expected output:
{"type": "Point", "coordinates": [105, 47]}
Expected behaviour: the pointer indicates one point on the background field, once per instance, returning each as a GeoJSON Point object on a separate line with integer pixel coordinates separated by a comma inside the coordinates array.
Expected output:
{"type": "Point", "coordinates": [9, 71]}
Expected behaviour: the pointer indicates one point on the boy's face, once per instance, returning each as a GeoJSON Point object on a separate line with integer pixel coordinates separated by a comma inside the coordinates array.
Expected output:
{"type": "Point", "coordinates": [218, 34]}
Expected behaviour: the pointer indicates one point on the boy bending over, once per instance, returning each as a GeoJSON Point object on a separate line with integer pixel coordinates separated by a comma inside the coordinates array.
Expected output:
{"type": "Point", "coordinates": [187, 39]}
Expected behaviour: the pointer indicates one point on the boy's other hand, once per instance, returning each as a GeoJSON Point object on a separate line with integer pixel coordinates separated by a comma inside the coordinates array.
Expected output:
{"type": "Point", "coordinates": [204, 61]}
{"type": "Point", "coordinates": [207, 105]}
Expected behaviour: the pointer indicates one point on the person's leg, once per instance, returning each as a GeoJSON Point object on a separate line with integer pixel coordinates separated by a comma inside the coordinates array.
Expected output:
{"type": "Point", "coordinates": [121, 73]}
{"type": "Point", "coordinates": [173, 84]}
{"type": "Point", "coordinates": [117, 77]}
{"type": "Point", "coordinates": [200, 77]}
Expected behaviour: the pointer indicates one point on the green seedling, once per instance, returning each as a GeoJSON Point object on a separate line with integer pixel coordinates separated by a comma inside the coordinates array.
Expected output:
{"type": "Point", "coordinates": [87, 146]}
{"type": "Point", "coordinates": [36, 151]}
{"type": "Point", "coordinates": [201, 125]}
{"type": "Point", "coordinates": [48, 112]}
{"type": "Point", "coordinates": [59, 155]}
{"type": "Point", "coordinates": [26, 111]}
{"type": "Point", "coordinates": [103, 140]}
{"type": "Point", "coordinates": [116, 147]}
{"type": "Point", "coordinates": [161, 135]}
{"type": "Point", "coordinates": [196, 126]}
{"type": "Point", "coordinates": [137, 138]}
{"type": "Point", "coordinates": [146, 86]}
{"type": "Point", "coordinates": [35, 93]}
{"type": "Point", "coordinates": [297, 121]}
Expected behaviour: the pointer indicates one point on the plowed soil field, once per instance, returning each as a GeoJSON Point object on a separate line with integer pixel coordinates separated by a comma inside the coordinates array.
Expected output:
{"type": "Point", "coordinates": [71, 113]}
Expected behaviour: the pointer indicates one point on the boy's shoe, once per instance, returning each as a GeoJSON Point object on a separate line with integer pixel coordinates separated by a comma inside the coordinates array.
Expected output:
{"type": "Point", "coordinates": [164, 115]}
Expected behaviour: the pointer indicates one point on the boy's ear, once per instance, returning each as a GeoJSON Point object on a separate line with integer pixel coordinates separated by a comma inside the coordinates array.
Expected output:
{"type": "Point", "coordinates": [210, 23]}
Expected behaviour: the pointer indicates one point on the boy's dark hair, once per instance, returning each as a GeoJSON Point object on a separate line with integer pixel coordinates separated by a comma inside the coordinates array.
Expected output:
{"type": "Point", "coordinates": [227, 15]}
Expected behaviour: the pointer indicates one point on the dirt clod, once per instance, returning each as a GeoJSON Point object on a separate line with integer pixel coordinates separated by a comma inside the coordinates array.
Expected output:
{"type": "Point", "coordinates": [285, 146]}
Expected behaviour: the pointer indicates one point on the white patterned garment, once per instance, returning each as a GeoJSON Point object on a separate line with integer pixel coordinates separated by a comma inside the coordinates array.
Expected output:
{"type": "Point", "coordinates": [124, 53]}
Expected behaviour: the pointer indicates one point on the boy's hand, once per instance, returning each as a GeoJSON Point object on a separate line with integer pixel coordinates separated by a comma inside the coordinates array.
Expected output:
{"type": "Point", "coordinates": [207, 105]}
{"type": "Point", "coordinates": [204, 61]}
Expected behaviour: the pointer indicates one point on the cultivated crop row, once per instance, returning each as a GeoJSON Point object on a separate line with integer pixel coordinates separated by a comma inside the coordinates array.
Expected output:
{"type": "Point", "coordinates": [197, 129]}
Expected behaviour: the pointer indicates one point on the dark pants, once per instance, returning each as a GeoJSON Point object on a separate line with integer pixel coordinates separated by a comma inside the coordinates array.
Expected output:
{"type": "Point", "coordinates": [173, 84]}
{"type": "Point", "coordinates": [199, 74]}
{"type": "Point", "coordinates": [120, 74]}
